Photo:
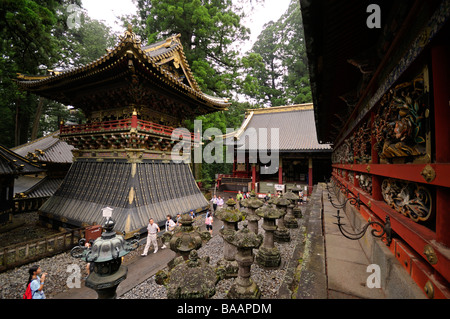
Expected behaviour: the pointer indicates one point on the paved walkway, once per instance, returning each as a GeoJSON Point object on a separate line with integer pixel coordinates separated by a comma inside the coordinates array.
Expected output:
{"type": "Point", "coordinates": [332, 266]}
{"type": "Point", "coordinates": [346, 261]}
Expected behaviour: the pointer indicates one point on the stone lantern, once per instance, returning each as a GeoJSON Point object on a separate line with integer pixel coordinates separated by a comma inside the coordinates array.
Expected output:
{"type": "Point", "coordinates": [185, 239]}
{"type": "Point", "coordinates": [106, 255]}
{"type": "Point", "coordinates": [245, 240]}
{"type": "Point", "coordinates": [252, 204]}
{"type": "Point", "coordinates": [230, 216]}
{"type": "Point", "coordinates": [282, 233]}
{"type": "Point", "coordinates": [289, 219]}
{"type": "Point", "coordinates": [297, 211]}
{"type": "Point", "coordinates": [190, 279]}
{"type": "Point", "coordinates": [268, 254]}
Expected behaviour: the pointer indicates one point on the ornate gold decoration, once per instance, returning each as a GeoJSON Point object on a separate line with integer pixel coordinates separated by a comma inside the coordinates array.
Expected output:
{"type": "Point", "coordinates": [428, 173]}
{"type": "Point", "coordinates": [129, 36]}
{"type": "Point", "coordinates": [400, 126]}
{"type": "Point", "coordinates": [407, 198]}
{"type": "Point", "coordinates": [428, 251]}
{"type": "Point", "coordinates": [429, 289]}
{"type": "Point", "coordinates": [368, 168]}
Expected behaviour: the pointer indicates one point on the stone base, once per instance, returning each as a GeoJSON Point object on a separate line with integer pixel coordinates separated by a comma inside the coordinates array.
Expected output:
{"type": "Point", "coordinates": [106, 286]}
{"type": "Point", "coordinates": [290, 223]}
{"type": "Point", "coordinates": [227, 268]}
{"type": "Point", "coordinates": [297, 212]}
{"type": "Point", "coordinates": [282, 236]}
{"type": "Point", "coordinates": [268, 258]}
{"type": "Point", "coordinates": [249, 292]}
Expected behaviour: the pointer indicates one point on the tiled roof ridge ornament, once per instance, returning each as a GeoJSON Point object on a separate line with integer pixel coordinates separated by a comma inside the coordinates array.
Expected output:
{"type": "Point", "coordinates": [130, 36]}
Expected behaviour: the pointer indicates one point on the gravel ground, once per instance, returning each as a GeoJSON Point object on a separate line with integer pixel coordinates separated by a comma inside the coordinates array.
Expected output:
{"type": "Point", "coordinates": [13, 282]}
{"type": "Point", "coordinates": [269, 281]}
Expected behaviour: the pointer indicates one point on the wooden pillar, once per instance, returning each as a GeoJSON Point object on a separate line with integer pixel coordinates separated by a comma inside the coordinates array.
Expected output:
{"type": "Point", "coordinates": [253, 176]}
{"type": "Point", "coordinates": [441, 82]}
{"type": "Point", "coordinates": [134, 120]}
{"type": "Point", "coordinates": [310, 175]}
{"type": "Point", "coordinates": [280, 171]}
{"type": "Point", "coordinates": [376, 180]}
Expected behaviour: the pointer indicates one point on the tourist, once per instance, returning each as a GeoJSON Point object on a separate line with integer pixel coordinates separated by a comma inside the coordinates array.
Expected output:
{"type": "Point", "coordinates": [89, 266]}
{"type": "Point", "coordinates": [214, 203]}
{"type": "Point", "coordinates": [36, 282]}
{"type": "Point", "coordinates": [300, 194]}
{"type": "Point", "coordinates": [170, 224]}
{"type": "Point", "coordinates": [239, 198]}
{"type": "Point", "coordinates": [152, 229]}
{"type": "Point", "coordinates": [192, 214]}
{"type": "Point", "coordinates": [178, 219]}
{"type": "Point", "coordinates": [208, 222]}
{"type": "Point", "coordinates": [220, 202]}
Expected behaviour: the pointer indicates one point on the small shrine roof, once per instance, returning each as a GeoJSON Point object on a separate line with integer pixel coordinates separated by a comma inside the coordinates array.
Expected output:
{"type": "Point", "coordinates": [295, 125]}
{"type": "Point", "coordinates": [14, 164]}
{"type": "Point", "coordinates": [48, 148]}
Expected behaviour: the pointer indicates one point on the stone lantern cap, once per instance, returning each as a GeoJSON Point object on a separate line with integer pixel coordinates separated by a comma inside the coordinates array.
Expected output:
{"type": "Point", "coordinates": [186, 220]}
{"type": "Point", "coordinates": [269, 212]}
{"type": "Point", "coordinates": [109, 246]}
{"type": "Point", "coordinates": [291, 196]}
{"type": "Point", "coordinates": [253, 202]}
{"type": "Point", "coordinates": [229, 214]}
{"type": "Point", "coordinates": [192, 279]}
{"type": "Point", "coordinates": [187, 242]}
{"type": "Point", "coordinates": [244, 238]}
{"type": "Point", "coordinates": [281, 201]}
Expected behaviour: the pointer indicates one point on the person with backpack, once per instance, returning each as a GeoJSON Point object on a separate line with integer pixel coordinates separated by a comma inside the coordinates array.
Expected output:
{"type": "Point", "coordinates": [208, 222]}
{"type": "Point", "coordinates": [35, 284]}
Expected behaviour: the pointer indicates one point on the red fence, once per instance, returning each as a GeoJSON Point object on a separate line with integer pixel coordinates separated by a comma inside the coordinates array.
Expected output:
{"type": "Point", "coordinates": [125, 124]}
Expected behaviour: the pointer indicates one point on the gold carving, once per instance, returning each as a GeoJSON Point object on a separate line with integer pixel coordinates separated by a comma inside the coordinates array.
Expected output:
{"type": "Point", "coordinates": [428, 251]}
{"type": "Point", "coordinates": [429, 289]}
{"type": "Point", "coordinates": [428, 173]}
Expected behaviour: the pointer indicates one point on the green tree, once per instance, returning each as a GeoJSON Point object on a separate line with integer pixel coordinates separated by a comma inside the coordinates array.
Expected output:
{"type": "Point", "coordinates": [26, 44]}
{"type": "Point", "coordinates": [35, 37]}
{"type": "Point", "coordinates": [275, 69]}
{"type": "Point", "coordinates": [210, 31]}
{"type": "Point", "coordinates": [296, 77]}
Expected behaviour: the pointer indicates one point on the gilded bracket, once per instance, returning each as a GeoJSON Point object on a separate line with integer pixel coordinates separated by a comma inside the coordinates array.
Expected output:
{"type": "Point", "coordinates": [428, 173]}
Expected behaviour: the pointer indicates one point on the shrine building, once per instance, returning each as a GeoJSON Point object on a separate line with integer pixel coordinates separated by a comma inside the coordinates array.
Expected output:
{"type": "Point", "coordinates": [276, 149]}
{"type": "Point", "coordinates": [133, 98]}
{"type": "Point", "coordinates": [380, 79]}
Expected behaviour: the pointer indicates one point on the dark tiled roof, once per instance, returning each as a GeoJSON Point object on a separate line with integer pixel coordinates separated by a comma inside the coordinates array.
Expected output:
{"type": "Point", "coordinates": [295, 127]}
{"type": "Point", "coordinates": [45, 188]}
{"type": "Point", "coordinates": [54, 149]}
{"type": "Point", "coordinates": [135, 191]}
{"type": "Point", "coordinates": [14, 164]}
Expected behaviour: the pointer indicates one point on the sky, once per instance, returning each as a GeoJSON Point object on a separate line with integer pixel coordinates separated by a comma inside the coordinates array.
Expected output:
{"type": "Point", "coordinates": [107, 10]}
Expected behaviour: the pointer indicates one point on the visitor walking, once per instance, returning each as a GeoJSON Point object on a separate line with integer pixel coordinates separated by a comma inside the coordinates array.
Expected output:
{"type": "Point", "coordinates": [214, 203]}
{"type": "Point", "coordinates": [152, 229]}
{"type": "Point", "coordinates": [219, 202]}
{"type": "Point", "coordinates": [239, 198]}
{"type": "Point", "coordinates": [209, 222]}
{"type": "Point", "coordinates": [170, 227]}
